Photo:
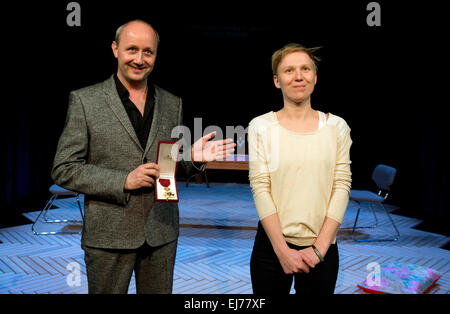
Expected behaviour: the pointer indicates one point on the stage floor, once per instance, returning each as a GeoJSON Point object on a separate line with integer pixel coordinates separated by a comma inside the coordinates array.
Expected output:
{"type": "Point", "coordinates": [216, 237]}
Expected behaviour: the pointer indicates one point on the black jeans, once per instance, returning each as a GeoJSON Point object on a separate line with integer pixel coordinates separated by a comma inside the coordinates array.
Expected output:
{"type": "Point", "coordinates": [268, 276]}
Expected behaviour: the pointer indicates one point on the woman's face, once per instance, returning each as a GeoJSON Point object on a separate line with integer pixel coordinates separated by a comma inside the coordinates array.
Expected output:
{"type": "Point", "coordinates": [296, 77]}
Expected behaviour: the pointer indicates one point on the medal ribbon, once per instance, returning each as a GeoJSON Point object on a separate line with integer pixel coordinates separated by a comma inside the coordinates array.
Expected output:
{"type": "Point", "coordinates": [164, 182]}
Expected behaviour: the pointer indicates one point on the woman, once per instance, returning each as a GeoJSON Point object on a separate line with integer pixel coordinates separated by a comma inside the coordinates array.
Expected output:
{"type": "Point", "coordinates": [300, 178]}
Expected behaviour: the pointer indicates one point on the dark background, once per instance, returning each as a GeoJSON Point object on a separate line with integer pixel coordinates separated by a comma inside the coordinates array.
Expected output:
{"type": "Point", "coordinates": [382, 80]}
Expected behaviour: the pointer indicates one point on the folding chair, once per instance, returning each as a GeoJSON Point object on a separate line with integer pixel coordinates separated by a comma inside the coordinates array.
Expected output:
{"type": "Point", "coordinates": [383, 176]}
{"type": "Point", "coordinates": [57, 191]}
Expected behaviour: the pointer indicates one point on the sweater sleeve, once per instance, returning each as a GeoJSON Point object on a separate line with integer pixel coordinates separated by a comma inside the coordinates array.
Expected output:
{"type": "Point", "coordinates": [259, 175]}
{"type": "Point", "coordinates": [342, 174]}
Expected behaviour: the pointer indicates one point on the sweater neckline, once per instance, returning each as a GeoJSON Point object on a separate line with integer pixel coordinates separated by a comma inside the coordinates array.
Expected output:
{"type": "Point", "coordinates": [321, 116]}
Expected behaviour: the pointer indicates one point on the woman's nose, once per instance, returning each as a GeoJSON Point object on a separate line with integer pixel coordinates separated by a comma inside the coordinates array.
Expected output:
{"type": "Point", "coordinates": [298, 75]}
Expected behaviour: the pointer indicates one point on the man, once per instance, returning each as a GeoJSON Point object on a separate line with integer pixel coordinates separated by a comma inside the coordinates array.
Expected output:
{"type": "Point", "coordinates": [107, 151]}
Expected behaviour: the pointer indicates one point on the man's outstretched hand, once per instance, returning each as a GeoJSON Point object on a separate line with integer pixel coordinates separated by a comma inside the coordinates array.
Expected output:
{"type": "Point", "coordinates": [205, 150]}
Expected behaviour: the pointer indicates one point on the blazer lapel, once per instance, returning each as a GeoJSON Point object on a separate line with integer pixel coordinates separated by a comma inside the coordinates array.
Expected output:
{"type": "Point", "coordinates": [156, 121]}
{"type": "Point", "coordinates": [116, 105]}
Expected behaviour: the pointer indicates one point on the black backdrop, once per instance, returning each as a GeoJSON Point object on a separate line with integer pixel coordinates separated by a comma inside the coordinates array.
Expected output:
{"type": "Point", "coordinates": [216, 56]}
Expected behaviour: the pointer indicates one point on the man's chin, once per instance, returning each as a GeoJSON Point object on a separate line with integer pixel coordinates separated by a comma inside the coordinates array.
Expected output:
{"type": "Point", "coordinates": [133, 77]}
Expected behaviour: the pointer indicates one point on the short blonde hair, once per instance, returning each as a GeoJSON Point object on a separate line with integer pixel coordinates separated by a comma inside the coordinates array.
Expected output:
{"type": "Point", "coordinates": [278, 55]}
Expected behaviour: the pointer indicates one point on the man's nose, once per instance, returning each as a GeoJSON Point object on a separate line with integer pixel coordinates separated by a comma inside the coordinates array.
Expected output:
{"type": "Point", "coordinates": [139, 59]}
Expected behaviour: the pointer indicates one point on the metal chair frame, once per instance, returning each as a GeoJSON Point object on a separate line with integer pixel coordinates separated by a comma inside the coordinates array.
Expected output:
{"type": "Point", "coordinates": [48, 206]}
{"type": "Point", "coordinates": [397, 233]}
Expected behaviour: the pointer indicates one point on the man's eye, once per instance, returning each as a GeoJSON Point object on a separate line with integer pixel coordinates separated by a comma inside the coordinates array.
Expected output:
{"type": "Point", "coordinates": [305, 69]}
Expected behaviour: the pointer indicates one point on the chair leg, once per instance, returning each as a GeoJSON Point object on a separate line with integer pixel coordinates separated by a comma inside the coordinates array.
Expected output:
{"type": "Point", "coordinates": [45, 210]}
{"type": "Point", "coordinates": [354, 224]}
{"type": "Point", "coordinates": [397, 233]}
{"type": "Point", "coordinates": [37, 218]}
{"type": "Point", "coordinates": [206, 178]}
{"type": "Point", "coordinates": [61, 220]}
{"type": "Point", "coordinates": [363, 227]}
{"type": "Point", "coordinates": [395, 238]}
{"type": "Point", "coordinates": [374, 216]}
{"type": "Point", "coordinates": [79, 207]}
{"type": "Point", "coordinates": [48, 206]}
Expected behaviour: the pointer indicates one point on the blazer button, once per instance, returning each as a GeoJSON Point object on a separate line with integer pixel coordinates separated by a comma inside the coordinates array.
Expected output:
{"type": "Point", "coordinates": [145, 160]}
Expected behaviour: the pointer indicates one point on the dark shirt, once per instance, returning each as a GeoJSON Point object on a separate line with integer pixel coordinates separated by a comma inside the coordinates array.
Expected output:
{"type": "Point", "coordinates": [141, 124]}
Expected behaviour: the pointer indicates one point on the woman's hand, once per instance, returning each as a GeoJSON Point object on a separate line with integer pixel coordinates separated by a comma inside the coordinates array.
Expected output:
{"type": "Point", "coordinates": [310, 257]}
{"type": "Point", "coordinates": [292, 261]}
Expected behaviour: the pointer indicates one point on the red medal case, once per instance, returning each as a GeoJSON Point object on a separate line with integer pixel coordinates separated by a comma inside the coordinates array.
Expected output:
{"type": "Point", "coordinates": [166, 189]}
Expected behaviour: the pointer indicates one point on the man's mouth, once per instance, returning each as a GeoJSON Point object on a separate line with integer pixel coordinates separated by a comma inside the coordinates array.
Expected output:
{"type": "Point", "coordinates": [137, 68]}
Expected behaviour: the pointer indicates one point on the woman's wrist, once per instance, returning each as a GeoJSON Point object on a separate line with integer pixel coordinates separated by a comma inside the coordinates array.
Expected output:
{"type": "Point", "coordinates": [317, 252]}
{"type": "Point", "coordinates": [321, 248]}
{"type": "Point", "coordinates": [280, 248]}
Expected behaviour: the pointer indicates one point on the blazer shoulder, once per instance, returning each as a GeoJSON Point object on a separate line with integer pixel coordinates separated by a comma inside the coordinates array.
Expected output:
{"type": "Point", "coordinates": [166, 95]}
{"type": "Point", "coordinates": [93, 90]}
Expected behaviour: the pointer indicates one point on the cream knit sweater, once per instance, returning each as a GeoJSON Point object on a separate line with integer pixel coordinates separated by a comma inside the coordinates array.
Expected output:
{"type": "Point", "coordinates": [304, 177]}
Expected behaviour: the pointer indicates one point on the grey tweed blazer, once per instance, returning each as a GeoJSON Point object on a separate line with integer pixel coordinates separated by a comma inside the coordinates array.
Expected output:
{"type": "Point", "coordinates": [96, 151]}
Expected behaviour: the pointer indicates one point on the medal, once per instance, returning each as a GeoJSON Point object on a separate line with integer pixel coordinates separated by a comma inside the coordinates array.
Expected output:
{"type": "Point", "coordinates": [167, 192]}
{"type": "Point", "coordinates": [164, 182]}
{"type": "Point", "coordinates": [168, 195]}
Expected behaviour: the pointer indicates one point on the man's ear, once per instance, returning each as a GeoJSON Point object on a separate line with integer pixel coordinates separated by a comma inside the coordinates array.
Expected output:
{"type": "Point", "coordinates": [115, 48]}
{"type": "Point", "coordinates": [275, 81]}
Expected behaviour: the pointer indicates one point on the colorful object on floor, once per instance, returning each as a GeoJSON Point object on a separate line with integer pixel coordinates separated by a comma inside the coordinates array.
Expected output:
{"type": "Point", "coordinates": [401, 278]}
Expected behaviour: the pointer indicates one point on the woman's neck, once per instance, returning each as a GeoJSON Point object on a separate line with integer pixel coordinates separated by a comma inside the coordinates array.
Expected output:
{"type": "Point", "coordinates": [302, 111]}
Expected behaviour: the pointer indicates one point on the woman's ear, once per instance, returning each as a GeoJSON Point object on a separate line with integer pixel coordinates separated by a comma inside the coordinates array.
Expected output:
{"type": "Point", "coordinates": [276, 82]}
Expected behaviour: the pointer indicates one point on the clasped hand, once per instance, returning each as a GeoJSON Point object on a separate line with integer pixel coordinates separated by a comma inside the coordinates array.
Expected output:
{"type": "Point", "coordinates": [298, 261]}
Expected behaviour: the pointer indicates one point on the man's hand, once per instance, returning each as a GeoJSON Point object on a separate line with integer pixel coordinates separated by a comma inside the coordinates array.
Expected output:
{"type": "Point", "coordinates": [205, 150]}
{"type": "Point", "coordinates": [143, 176]}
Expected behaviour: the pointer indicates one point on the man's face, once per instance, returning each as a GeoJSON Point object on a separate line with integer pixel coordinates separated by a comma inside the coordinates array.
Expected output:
{"type": "Point", "coordinates": [296, 77]}
{"type": "Point", "coordinates": [135, 52]}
